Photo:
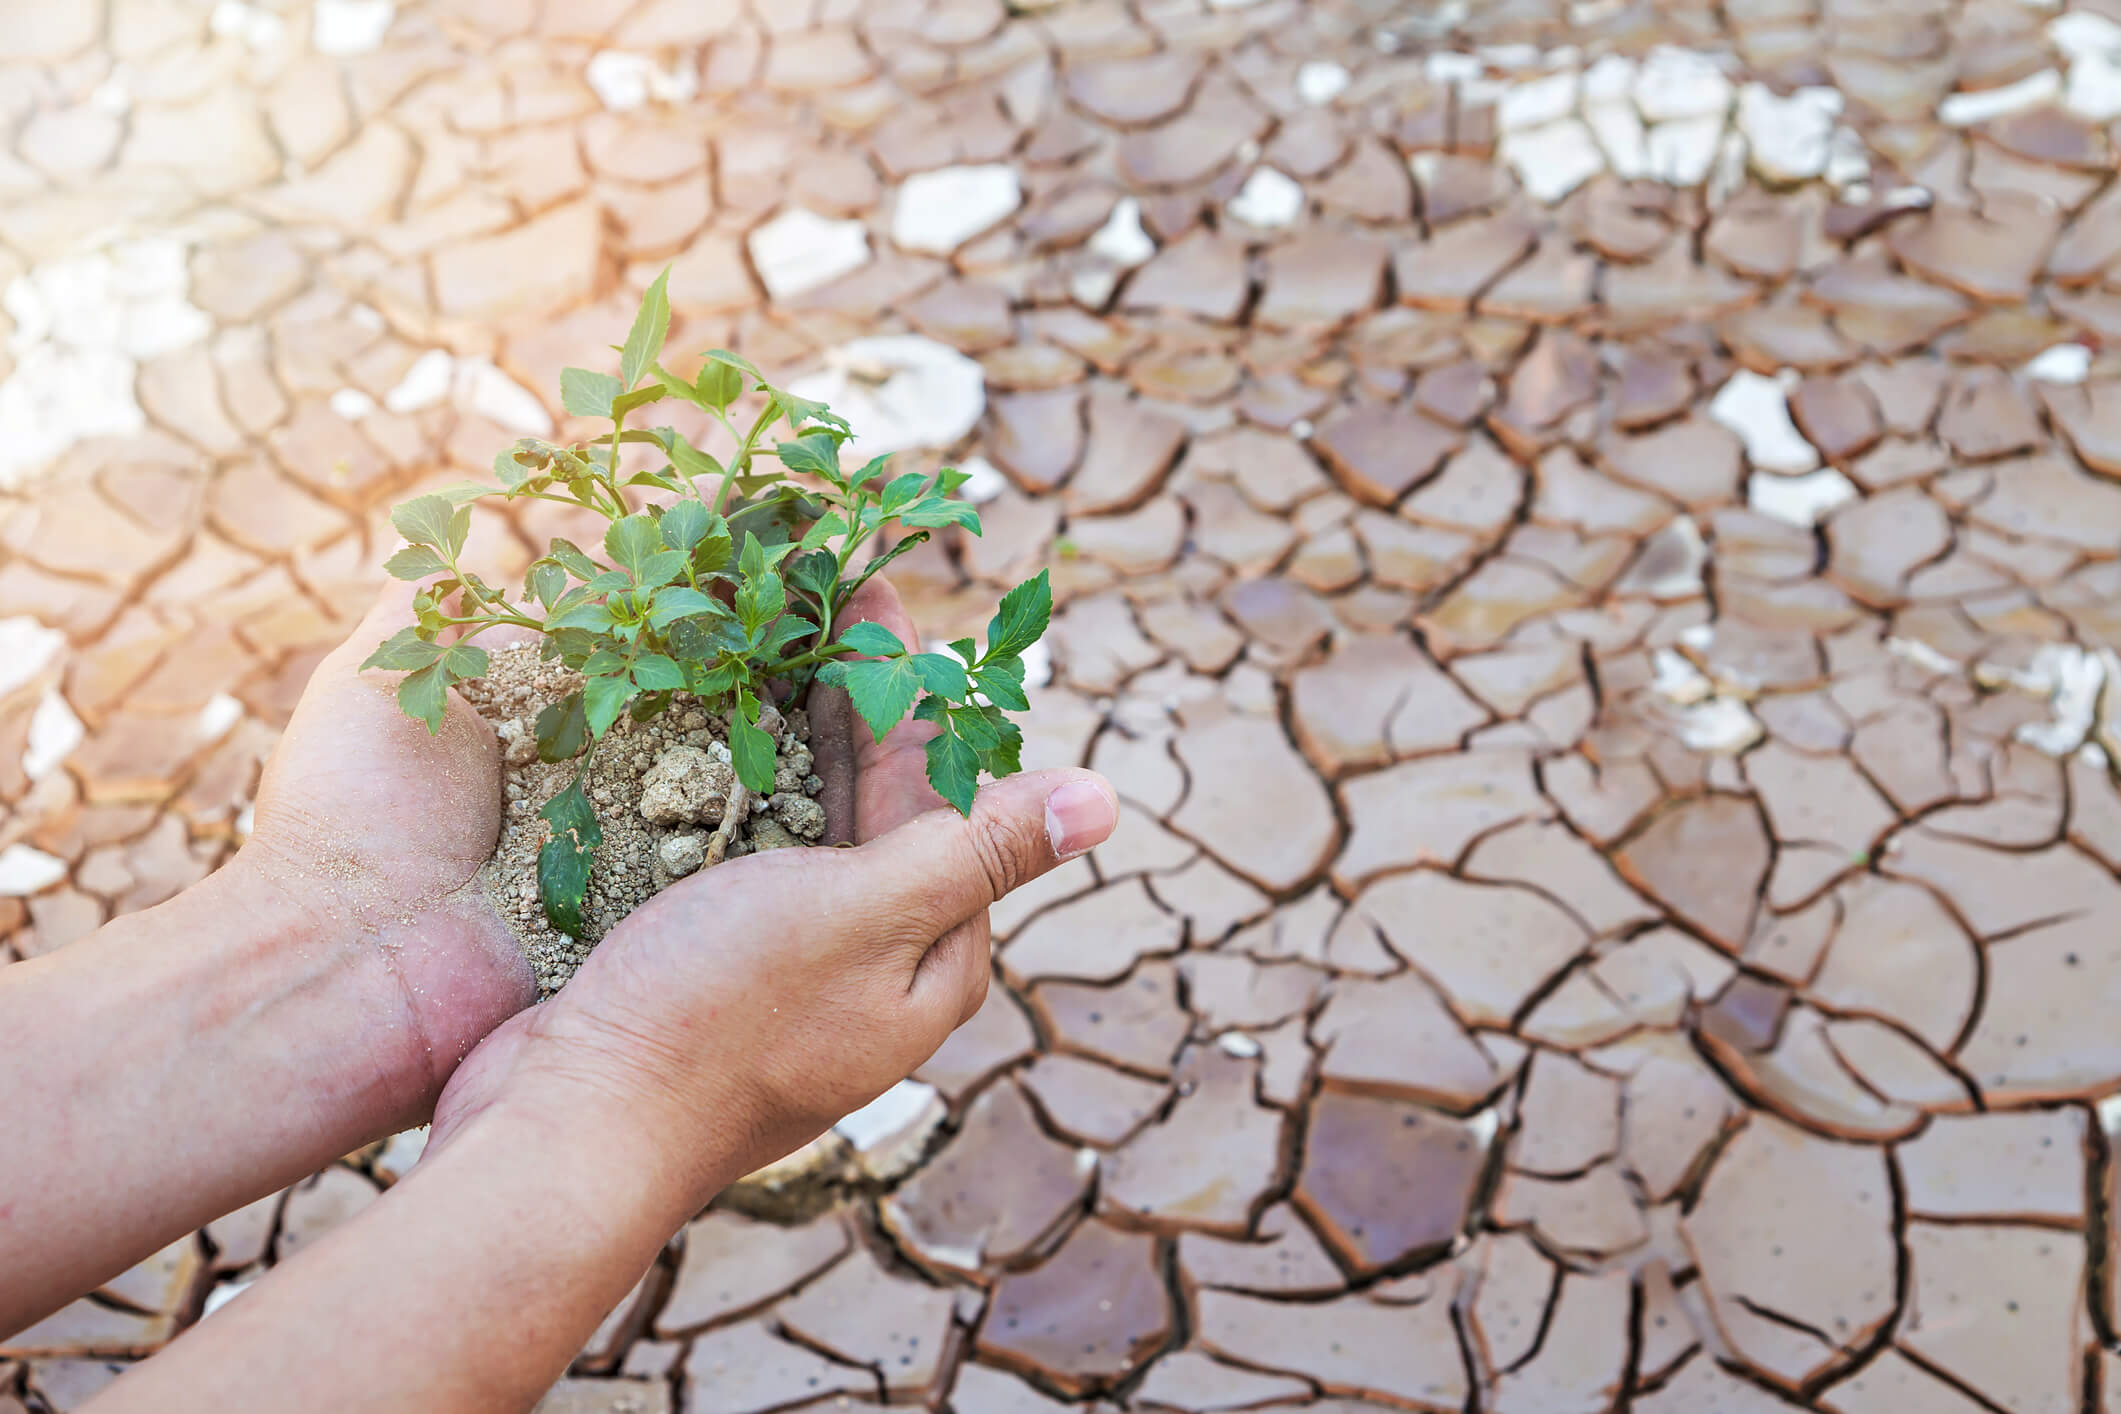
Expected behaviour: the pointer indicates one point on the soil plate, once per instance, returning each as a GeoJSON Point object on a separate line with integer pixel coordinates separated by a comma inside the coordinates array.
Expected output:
{"type": "Point", "coordinates": [660, 790]}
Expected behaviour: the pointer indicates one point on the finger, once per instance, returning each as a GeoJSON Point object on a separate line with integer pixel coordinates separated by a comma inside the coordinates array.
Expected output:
{"type": "Point", "coordinates": [940, 869]}
{"type": "Point", "coordinates": [892, 773]}
{"type": "Point", "coordinates": [391, 611]}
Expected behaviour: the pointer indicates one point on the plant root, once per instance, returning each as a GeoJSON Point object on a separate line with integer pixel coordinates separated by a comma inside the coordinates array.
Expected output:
{"type": "Point", "coordinates": [832, 756]}
{"type": "Point", "coordinates": [733, 815]}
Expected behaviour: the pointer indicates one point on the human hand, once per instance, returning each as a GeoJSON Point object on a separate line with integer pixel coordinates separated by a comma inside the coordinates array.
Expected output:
{"type": "Point", "coordinates": [742, 1011]}
{"type": "Point", "coordinates": [375, 832]}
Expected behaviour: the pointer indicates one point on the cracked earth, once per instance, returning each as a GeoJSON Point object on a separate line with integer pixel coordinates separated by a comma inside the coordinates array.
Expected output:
{"type": "Point", "coordinates": [1588, 540]}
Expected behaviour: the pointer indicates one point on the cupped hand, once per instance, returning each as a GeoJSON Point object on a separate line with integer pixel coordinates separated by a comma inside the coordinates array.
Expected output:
{"type": "Point", "coordinates": [375, 830]}
{"type": "Point", "coordinates": [744, 1010]}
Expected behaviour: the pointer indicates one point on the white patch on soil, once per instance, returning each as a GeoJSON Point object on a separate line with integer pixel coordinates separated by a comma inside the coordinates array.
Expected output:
{"type": "Point", "coordinates": [1320, 81]}
{"type": "Point", "coordinates": [1721, 726]}
{"type": "Point", "coordinates": [83, 323]}
{"type": "Point", "coordinates": [1790, 137]}
{"type": "Point", "coordinates": [1121, 240]}
{"type": "Point", "coordinates": [903, 390]}
{"type": "Point", "coordinates": [436, 377]}
{"type": "Point", "coordinates": [1959, 110]}
{"type": "Point", "coordinates": [890, 1133]}
{"type": "Point", "coordinates": [257, 30]}
{"type": "Point", "coordinates": [1681, 152]}
{"type": "Point", "coordinates": [1758, 410]}
{"type": "Point", "coordinates": [2091, 43]}
{"type": "Point", "coordinates": [1680, 83]}
{"type": "Point", "coordinates": [624, 81]}
{"type": "Point", "coordinates": [351, 26]}
{"type": "Point", "coordinates": [1552, 161]}
{"type": "Point", "coordinates": [2064, 363]}
{"type": "Point", "coordinates": [936, 212]}
{"type": "Point", "coordinates": [25, 871]}
{"type": "Point", "coordinates": [983, 480]}
{"type": "Point", "coordinates": [1798, 500]}
{"type": "Point", "coordinates": [1268, 201]}
{"type": "Point", "coordinates": [798, 251]}
{"type": "Point", "coordinates": [218, 717]}
{"type": "Point", "coordinates": [27, 648]}
{"type": "Point", "coordinates": [54, 732]}
{"type": "Point", "coordinates": [351, 404]}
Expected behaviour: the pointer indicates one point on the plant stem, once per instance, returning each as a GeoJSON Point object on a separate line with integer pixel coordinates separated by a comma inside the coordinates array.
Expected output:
{"type": "Point", "coordinates": [742, 463]}
{"type": "Point", "coordinates": [733, 813]}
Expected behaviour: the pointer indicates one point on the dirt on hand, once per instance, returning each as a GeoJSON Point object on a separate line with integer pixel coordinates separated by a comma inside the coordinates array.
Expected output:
{"type": "Point", "coordinates": [662, 791]}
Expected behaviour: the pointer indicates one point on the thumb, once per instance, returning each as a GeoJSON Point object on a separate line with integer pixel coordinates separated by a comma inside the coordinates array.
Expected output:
{"type": "Point", "coordinates": [941, 869]}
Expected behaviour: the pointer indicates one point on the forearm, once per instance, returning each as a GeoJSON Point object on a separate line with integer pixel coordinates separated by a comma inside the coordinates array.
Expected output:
{"type": "Point", "coordinates": [468, 1287]}
{"type": "Point", "coordinates": [178, 1064]}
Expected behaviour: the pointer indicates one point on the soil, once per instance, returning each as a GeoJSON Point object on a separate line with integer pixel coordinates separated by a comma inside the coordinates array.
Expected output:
{"type": "Point", "coordinates": [660, 790]}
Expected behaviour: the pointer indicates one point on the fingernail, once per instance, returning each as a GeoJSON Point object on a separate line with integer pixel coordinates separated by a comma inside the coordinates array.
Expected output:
{"type": "Point", "coordinates": [1078, 817]}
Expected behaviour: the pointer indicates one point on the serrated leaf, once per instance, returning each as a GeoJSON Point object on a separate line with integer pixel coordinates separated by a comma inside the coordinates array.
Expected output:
{"type": "Point", "coordinates": [650, 327]}
{"type": "Point", "coordinates": [569, 812]}
{"type": "Point", "coordinates": [750, 749]}
{"type": "Point", "coordinates": [464, 660]}
{"type": "Point", "coordinates": [631, 541]}
{"type": "Point", "coordinates": [949, 480]}
{"type": "Point", "coordinates": [953, 769]}
{"type": "Point", "coordinates": [648, 706]}
{"type": "Point", "coordinates": [715, 681]}
{"type": "Point", "coordinates": [759, 600]}
{"type": "Point", "coordinates": [403, 651]}
{"type": "Point", "coordinates": [603, 663]}
{"type": "Point", "coordinates": [1001, 681]}
{"type": "Point", "coordinates": [650, 478]}
{"type": "Point", "coordinates": [870, 470]}
{"type": "Point", "coordinates": [459, 530]}
{"type": "Point", "coordinates": [608, 581]}
{"type": "Point", "coordinates": [941, 674]}
{"type": "Point", "coordinates": [937, 512]}
{"type": "Point", "coordinates": [659, 569]}
{"type": "Point", "coordinates": [588, 394]}
{"type": "Point", "coordinates": [881, 689]}
{"type": "Point", "coordinates": [801, 410]}
{"type": "Point", "coordinates": [545, 583]}
{"type": "Point", "coordinates": [685, 525]}
{"type": "Point", "coordinates": [425, 696]}
{"type": "Point", "coordinates": [424, 520]}
{"type": "Point", "coordinates": [680, 601]}
{"type": "Point", "coordinates": [881, 562]}
{"type": "Point", "coordinates": [627, 402]}
{"type": "Point", "coordinates": [562, 729]}
{"type": "Point", "coordinates": [655, 673]}
{"type": "Point", "coordinates": [786, 630]}
{"type": "Point", "coordinates": [813, 574]}
{"type": "Point", "coordinates": [872, 640]}
{"type": "Point", "coordinates": [901, 491]}
{"type": "Point", "coordinates": [1023, 616]}
{"type": "Point", "coordinates": [603, 699]}
{"type": "Point", "coordinates": [692, 461]}
{"type": "Point", "coordinates": [823, 530]}
{"type": "Point", "coordinates": [816, 455]}
{"type": "Point", "coordinates": [414, 563]}
{"type": "Point", "coordinates": [571, 557]}
{"type": "Point", "coordinates": [596, 618]}
{"type": "Point", "coordinates": [965, 648]}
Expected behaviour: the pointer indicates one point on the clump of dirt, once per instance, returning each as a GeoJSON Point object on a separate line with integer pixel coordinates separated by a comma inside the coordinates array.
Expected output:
{"type": "Point", "coordinates": [661, 791]}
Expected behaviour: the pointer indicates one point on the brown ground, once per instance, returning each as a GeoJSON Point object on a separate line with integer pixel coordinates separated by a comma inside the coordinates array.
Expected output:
{"type": "Point", "coordinates": [1587, 528]}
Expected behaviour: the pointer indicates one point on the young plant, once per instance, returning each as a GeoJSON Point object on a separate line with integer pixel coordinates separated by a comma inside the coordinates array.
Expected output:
{"type": "Point", "coordinates": [726, 593]}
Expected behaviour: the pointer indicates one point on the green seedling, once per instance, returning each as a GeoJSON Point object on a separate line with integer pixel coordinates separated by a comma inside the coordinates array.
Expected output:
{"type": "Point", "coordinates": [728, 594]}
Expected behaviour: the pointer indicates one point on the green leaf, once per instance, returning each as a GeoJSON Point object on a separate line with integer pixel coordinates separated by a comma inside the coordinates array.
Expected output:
{"type": "Point", "coordinates": [414, 562]}
{"type": "Point", "coordinates": [425, 695]}
{"type": "Point", "coordinates": [577, 564]}
{"type": "Point", "coordinates": [877, 565]}
{"type": "Point", "coordinates": [937, 512]}
{"type": "Point", "coordinates": [464, 660]}
{"type": "Point", "coordinates": [719, 679]}
{"type": "Point", "coordinates": [650, 327]}
{"type": "Point", "coordinates": [563, 883]}
{"type": "Point", "coordinates": [953, 769]}
{"type": "Point", "coordinates": [872, 640]}
{"type": "Point", "coordinates": [1001, 681]}
{"type": "Point", "coordinates": [604, 662]}
{"type": "Point", "coordinates": [816, 455]}
{"type": "Point", "coordinates": [603, 699]}
{"type": "Point", "coordinates": [680, 601]}
{"type": "Point", "coordinates": [587, 394]}
{"type": "Point", "coordinates": [760, 600]}
{"type": "Point", "coordinates": [965, 648]}
{"type": "Point", "coordinates": [949, 480]}
{"type": "Point", "coordinates": [801, 410]}
{"type": "Point", "coordinates": [425, 520]}
{"type": "Point", "coordinates": [591, 616]}
{"type": "Point", "coordinates": [545, 583]}
{"type": "Point", "coordinates": [901, 492]}
{"type": "Point", "coordinates": [570, 812]}
{"type": "Point", "coordinates": [942, 675]}
{"type": "Point", "coordinates": [823, 530]}
{"type": "Point", "coordinates": [870, 470]}
{"type": "Point", "coordinates": [631, 541]}
{"type": "Point", "coordinates": [403, 651]}
{"type": "Point", "coordinates": [692, 461]}
{"type": "Point", "coordinates": [786, 630]}
{"type": "Point", "coordinates": [628, 402]}
{"type": "Point", "coordinates": [655, 673]}
{"type": "Point", "coordinates": [648, 706]}
{"type": "Point", "coordinates": [750, 749]}
{"type": "Point", "coordinates": [1025, 611]}
{"type": "Point", "coordinates": [881, 689]}
{"type": "Point", "coordinates": [721, 381]}
{"type": "Point", "coordinates": [813, 574]}
{"type": "Point", "coordinates": [562, 729]}
{"type": "Point", "coordinates": [685, 525]}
